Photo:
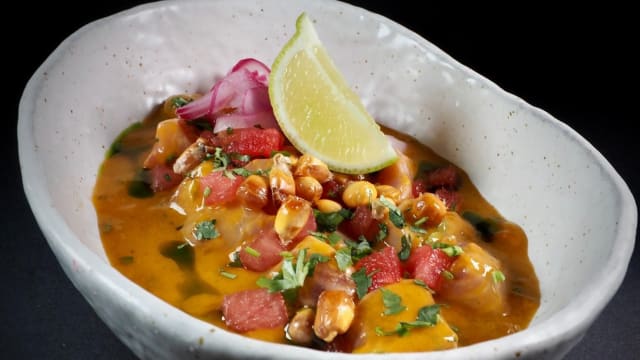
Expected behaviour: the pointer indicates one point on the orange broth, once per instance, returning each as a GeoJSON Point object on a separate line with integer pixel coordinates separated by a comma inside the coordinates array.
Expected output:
{"type": "Point", "coordinates": [144, 239]}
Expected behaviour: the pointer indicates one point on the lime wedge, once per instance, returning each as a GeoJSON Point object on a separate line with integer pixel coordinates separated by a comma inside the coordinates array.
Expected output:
{"type": "Point", "coordinates": [318, 111]}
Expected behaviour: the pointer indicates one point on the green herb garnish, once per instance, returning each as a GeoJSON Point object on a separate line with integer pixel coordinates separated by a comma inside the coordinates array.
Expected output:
{"type": "Point", "coordinates": [329, 221]}
{"type": "Point", "coordinates": [392, 302]}
{"type": "Point", "coordinates": [427, 317]}
{"type": "Point", "coordinates": [406, 248]}
{"type": "Point", "coordinates": [451, 250]}
{"type": "Point", "coordinates": [363, 282]}
{"type": "Point", "coordinates": [395, 216]}
{"type": "Point", "coordinates": [228, 275]}
{"type": "Point", "coordinates": [179, 101]}
{"type": "Point", "coordinates": [251, 251]}
{"type": "Point", "coordinates": [343, 258]}
{"type": "Point", "coordinates": [383, 231]}
{"type": "Point", "coordinates": [206, 230]}
{"type": "Point", "coordinates": [289, 277]}
{"type": "Point", "coordinates": [498, 276]}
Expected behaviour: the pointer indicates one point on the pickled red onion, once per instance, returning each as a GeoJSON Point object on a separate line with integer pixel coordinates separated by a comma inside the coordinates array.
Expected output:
{"type": "Point", "coordinates": [238, 100]}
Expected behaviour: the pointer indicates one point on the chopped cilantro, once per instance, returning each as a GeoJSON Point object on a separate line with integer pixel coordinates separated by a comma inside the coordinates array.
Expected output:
{"type": "Point", "coordinates": [418, 230]}
{"type": "Point", "coordinates": [220, 159]}
{"type": "Point", "coordinates": [315, 259]}
{"type": "Point", "coordinates": [329, 221]}
{"type": "Point", "coordinates": [451, 250]}
{"type": "Point", "coordinates": [229, 130]}
{"type": "Point", "coordinates": [289, 277]}
{"type": "Point", "coordinates": [498, 276]}
{"type": "Point", "coordinates": [420, 221]}
{"type": "Point", "coordinates": [251, 251]}
{"type": "Point", "coordinates": [206, 230]}
{"type": "Point", "coordinates": [332, 238]}
{"type": "Point", "coordinates": [343, 258]}
{"type": "Point", "coordinates": [395, 216]}
{"type": "Point", "coordinates": [405, 251]}
{"type": "Point", "coordinates": [179, 101]}
{"type": "Point", "coordinates": [422, 285]}
{"type": "Point", "coordinates": [392, 302]}
{"type": "Point", "coordinates": [360, 249]}
{"type": "Point", "coordinates": [427, 317]}
{"type": "Point", "coordinates": [383, 231]}
{"type": "Point", "coordinates": [363, 282]}
{"type": "Point", "coordinates": [206, 192]}
{"type": "Point", "coordinates": [228, 275]}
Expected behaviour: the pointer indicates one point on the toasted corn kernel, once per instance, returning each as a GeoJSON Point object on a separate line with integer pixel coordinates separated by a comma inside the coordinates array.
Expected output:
{"type": "Point", "coordinates": [254, 192]}
{"type": "Point", "coordinates": [428, 206]}
{"type": "Point", "coordinates": [308, 165]}
{"type": "Point", "coordinates": [328, 206]}
{"type": "Point", "coordinates": [300, 328]}
{"type": "Point", "coordinates": [334, 314]}
{"type": "Point", "coordinates": [280, 178]}
{"type": "Point", "coordinates": [359, 193]}
{"type": "Point", "coordinates": [308, 188]}
{"type": "Point", "coordinates": [291, 217]}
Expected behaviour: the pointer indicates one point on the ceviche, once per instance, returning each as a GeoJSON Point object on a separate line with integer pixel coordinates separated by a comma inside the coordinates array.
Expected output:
{"type": "Point", "coordinates": [207, 205]}
{"type": "Point", "coordinates": [220, 204]}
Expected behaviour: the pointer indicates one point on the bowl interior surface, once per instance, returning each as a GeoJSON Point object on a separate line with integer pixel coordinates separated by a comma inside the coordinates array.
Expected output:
{"type": "Point", "coordinates": [537, 172]}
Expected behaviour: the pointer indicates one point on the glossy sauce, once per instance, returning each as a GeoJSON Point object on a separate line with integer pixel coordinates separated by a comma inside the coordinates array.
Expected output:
{"type": "Point", "coordinates": [142, 238]}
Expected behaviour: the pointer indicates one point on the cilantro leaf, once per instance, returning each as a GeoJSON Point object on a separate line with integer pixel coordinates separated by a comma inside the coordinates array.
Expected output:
{"type": "Point", "coordinates": [360, 249]}
{"type": "Point", "coordinates": [498, 276]}
{"type": "Point", "coordinates": [363, 282]}
{"type": "Point", "coordinates": [343, 258]}
{"type": "Point", "coordinates": [406, 248]}
{"type": "Point", "coordinates": [179, 101]}
{"type": "Point", "coordinates": [329, 221]}
{"type": "Point", "coordinates": [290, 276]}
{"type": "Point", "coordinates": [395, 216]}
{"type": "Point", "coordinates": [383, 231]}
{"type": "Point", "coordinates": [206, 230]}
{"type": "Point", "coordinates": [450, 250]}
{"type": "Point", "coordinates": [427, 317]}
{"type": "Point", "coordinates": [315, 259]}
{"type": "Point", "coordinates": [392, 302]}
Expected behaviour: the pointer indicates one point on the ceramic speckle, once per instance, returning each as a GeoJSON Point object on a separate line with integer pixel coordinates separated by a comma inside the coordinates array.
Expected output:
{"type": "Point", "coordinates": [534, 169]}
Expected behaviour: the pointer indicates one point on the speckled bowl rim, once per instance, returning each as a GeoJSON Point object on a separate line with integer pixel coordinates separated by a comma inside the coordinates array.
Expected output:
{"type": "Point", "coordinates": [562, 328]}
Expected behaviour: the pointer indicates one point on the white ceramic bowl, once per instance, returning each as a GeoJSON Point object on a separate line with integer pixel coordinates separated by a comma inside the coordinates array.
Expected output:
{"type": "Point", "coordinates": [533, 168]}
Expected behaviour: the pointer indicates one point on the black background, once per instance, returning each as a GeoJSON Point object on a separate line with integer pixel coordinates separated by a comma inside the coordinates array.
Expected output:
{"type": "Point", "coordinates": [575, 63]}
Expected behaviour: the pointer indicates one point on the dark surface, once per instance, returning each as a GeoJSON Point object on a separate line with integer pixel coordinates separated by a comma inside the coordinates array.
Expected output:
{"type": "Point", "coordinates": [565, 62]}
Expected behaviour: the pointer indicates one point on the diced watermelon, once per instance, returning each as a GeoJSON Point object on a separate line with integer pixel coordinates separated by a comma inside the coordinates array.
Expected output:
{"type": "Point", "coordinates": [268, 246]}
{"type": "Point", "coordinates": [383, 266]}
{"type": "Point", "coordinates": [451, 198]}
{"type": "Point", "coordinates": [254, 309]}
{"type": "Point", "coordinates": [163, 178]}
{"type": "Point", "coordinates": [332, 190]}
{"type": "Point", "coordinates": [222, 188]}
{"type": "Point", "coordinates": [427, 264]}
{"type": "Point", "coordinates": [361, 223]}
{"type": "Point", "coordinates": [250, 141]}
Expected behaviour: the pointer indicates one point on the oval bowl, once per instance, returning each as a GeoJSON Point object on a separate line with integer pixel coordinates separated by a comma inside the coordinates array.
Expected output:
{"type": "Point", "coordinates": [534, 169]}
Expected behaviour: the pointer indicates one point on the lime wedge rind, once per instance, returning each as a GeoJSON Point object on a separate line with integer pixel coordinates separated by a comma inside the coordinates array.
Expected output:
{"type": "Point", "coordinates": [362, 147]}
